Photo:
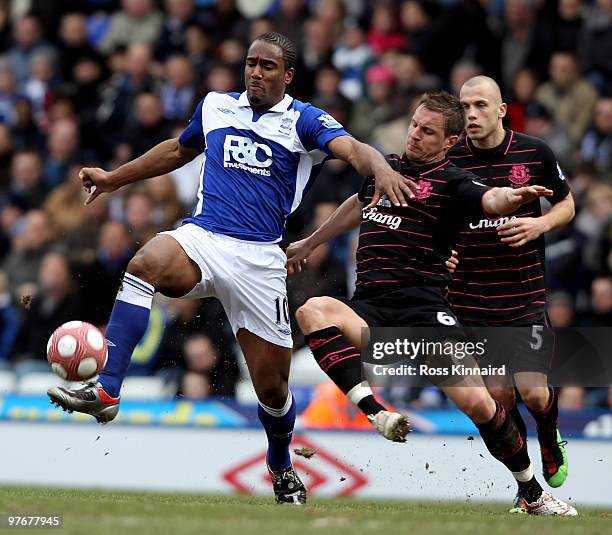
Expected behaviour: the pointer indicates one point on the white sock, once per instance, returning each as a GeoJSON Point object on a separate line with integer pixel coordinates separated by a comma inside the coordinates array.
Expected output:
{"type": "Point", "coordinates": [279, 412]}
{"type": "Point", "coordinates": [525, 475]}
{"type": "Point", "coordinates": [358, 392]}
{"type": "Point", "coordinates": [135, 291]}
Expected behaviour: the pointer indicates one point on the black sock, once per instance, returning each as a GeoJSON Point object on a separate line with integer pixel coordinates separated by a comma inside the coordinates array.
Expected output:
{"type": "Point", "coordinates": [518, 420]}
{"type": "Point", "coordinates": [547, 420]}
{"type": "Point", "coordinates": [530, 490]}
{"type": "Point", "coordinates": [336, 356]}
{"type": "Point", "coordinates": [370, 406]}
{"type": "Point", "coordinates": [504, 441]}
{"type": "Point", "coordinates": [341, 362]}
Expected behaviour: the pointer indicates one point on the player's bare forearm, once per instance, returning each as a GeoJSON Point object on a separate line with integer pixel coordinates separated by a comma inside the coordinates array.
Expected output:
{"type": "Point", "coordinates": [369, 162]}
{"type": "Point", "coordinates": [161, 159]}
{"type": "Point", "coordinates": [502, 201]}
{"type": "Point", "coordinates": [559, 215]}
{"type": "Point", "coordinates": [346, 217]}
{"type": "Point", "coordinates": [519, 231]}
{"type": "Point", "coordinates": [366, 160]}
{"type": "Point", "coordinates": [495, 202]}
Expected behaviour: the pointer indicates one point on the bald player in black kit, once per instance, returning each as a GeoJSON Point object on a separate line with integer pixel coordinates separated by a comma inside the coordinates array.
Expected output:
{"type": "Point", "coordinates": [500, 278]}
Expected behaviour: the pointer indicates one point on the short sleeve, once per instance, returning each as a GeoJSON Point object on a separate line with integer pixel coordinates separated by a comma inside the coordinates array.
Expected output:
{"type": "Point", "coordinates": [316, 128]}
{"type": "Point", "coordinates": [468, 192]}
{"type": "Point", "coordinates": [193, 135]}
{"type": "Point", "coordinates": [552, 176]}
{"type": "Point", "coordinates": [361, 194]}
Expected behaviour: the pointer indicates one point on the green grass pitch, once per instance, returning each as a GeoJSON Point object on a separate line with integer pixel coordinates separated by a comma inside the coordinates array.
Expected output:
{"type": "Point", "coordinates": [103, 512]}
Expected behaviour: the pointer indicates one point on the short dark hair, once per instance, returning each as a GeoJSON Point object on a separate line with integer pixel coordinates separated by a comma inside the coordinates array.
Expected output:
{"type": "Point", "coordinates": [284, 43]}
{"type": "Point", "coordinates": [450, 107]}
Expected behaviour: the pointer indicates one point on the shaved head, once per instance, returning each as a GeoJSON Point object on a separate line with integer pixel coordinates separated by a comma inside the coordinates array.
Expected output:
{"type": "Point", "coordinates": [484, 110]}
{"type": "Point", "coordinates": [488, 83]}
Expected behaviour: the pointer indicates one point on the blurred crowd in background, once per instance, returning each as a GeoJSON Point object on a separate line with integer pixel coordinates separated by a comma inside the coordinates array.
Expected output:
{"type": "Point", "coordinates": [98, 82]}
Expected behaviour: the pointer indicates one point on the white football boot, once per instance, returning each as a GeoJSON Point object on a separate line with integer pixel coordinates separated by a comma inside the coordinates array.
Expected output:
{"type": "Point", "coordinates": [547, 505]}
{"type": "Point", "coordinates": [391, 425]}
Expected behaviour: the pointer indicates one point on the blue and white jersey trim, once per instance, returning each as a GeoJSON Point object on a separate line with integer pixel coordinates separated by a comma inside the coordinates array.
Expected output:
{"type": "Point", "coordinates": [257, 168]}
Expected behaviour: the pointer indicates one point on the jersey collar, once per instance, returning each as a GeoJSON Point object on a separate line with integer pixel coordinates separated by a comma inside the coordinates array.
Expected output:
{"type": "Point", "coordinates": [282, 106]}
{"type": "Point", "coordinates": [422, 169]}
{"type": "Point", "coordinates": [500, 150]}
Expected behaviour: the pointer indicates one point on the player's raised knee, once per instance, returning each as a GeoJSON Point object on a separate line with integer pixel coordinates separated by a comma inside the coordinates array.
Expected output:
{"type": "Point", "coordinates": [535, 398]}
{"type": "Point", "coordinates": [315, 314]}
{"type": "Point", "coordinates": [504, 395]}
{"type": "Point", "coordinates": [479, 407]}
{"type": "Point", "coordinates": [160, 262]}
{"type": "Point", "coordinates": [272, 394]}
{"type": "Point", "coordinates": [146, 266]}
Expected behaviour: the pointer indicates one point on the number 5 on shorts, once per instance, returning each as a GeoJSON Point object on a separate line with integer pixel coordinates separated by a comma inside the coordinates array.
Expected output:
{"type": "Point", "coordinates": [536, 336]}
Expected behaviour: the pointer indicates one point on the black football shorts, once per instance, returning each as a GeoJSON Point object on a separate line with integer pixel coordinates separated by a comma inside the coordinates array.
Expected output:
{"type": "Point", "coordinates": [418, 313]}
{"type": "Point", "coordinates": [522, 349]}
{"type": "Point", "coordinates": [407, 307]}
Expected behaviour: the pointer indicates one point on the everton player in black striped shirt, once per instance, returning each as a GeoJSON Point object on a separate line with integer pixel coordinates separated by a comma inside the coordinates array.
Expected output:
{"type": "Point", "coordinates": [500, 278]}
{"type": "Point", "coordinates": [401, 278]}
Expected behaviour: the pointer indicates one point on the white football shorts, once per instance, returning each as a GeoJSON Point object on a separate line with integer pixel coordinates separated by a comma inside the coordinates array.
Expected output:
{"type": "Point", "coordinates": [247, 277]}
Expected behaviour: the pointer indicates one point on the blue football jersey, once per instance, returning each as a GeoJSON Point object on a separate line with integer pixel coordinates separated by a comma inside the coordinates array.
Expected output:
{"type": "Point", "coordinates": [257, 167]}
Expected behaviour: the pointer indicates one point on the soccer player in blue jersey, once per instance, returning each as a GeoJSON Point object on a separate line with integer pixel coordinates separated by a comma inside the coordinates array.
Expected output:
{"type": "Point", "coordinates": [262, 151]}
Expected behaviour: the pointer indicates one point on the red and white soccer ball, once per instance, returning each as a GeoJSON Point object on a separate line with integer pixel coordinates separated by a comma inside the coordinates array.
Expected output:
{"type": "Point", "coordinates": [77, 351]}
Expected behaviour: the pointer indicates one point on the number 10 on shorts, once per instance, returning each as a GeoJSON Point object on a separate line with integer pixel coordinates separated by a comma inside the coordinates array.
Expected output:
{"type": "Point", "coordinates": [282, 305]}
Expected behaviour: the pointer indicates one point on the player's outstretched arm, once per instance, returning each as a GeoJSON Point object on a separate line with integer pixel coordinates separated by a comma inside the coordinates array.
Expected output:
{"type": "Point", "coordinates": [346, 217]}
{"type": "Point", "coordinates": [369, 162]}
{"type": "Point", "coordinates": [522, 230]}
{"type": "Point", "coordinates": [503, 201]}
{"type": "Point", "coordinates": [161, 159]}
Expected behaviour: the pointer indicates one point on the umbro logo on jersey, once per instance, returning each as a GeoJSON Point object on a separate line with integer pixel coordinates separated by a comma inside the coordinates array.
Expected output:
{"type": "Point", "coordinates": [384, 201]}
{"type": "Point", "coordinates": [226, 111]}
{"type": "Point", "coordinates": [491, 223]}
{"type": "Point", "coordinates": [243, 153]}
